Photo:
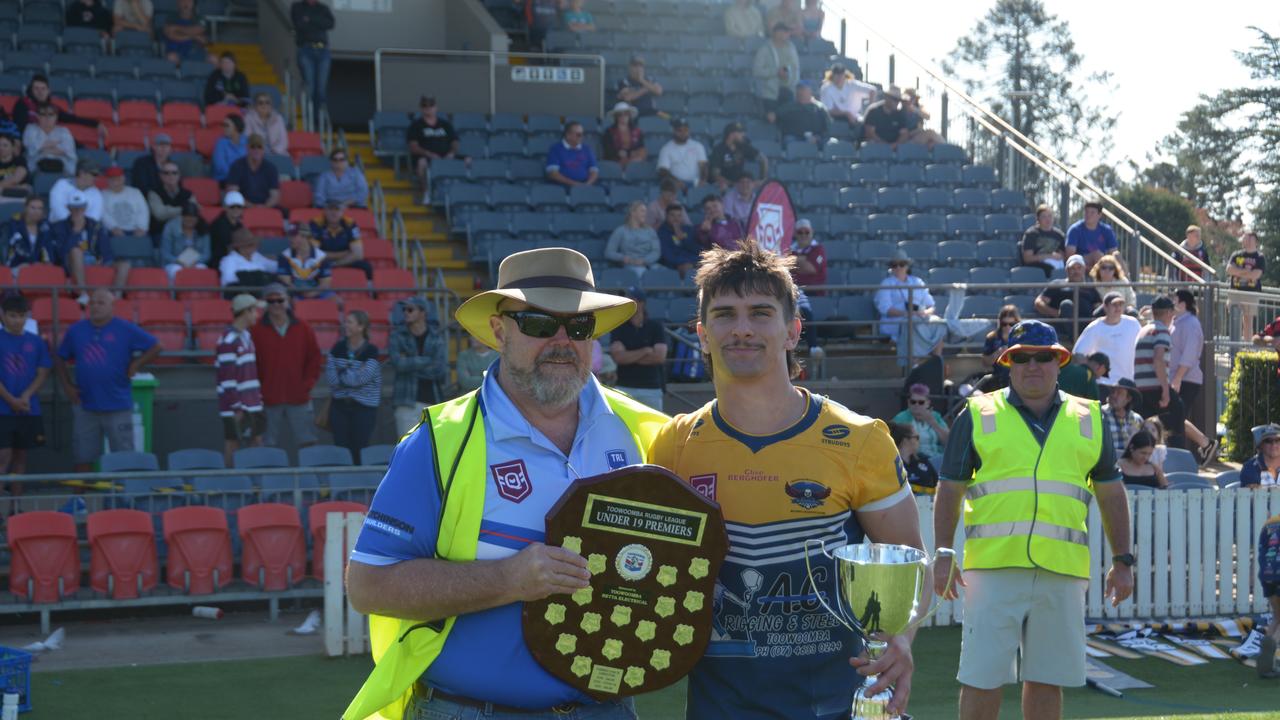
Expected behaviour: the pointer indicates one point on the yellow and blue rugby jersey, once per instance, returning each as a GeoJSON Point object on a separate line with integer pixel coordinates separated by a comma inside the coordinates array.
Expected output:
{"type": "Point", "coordinates": [775, 652]}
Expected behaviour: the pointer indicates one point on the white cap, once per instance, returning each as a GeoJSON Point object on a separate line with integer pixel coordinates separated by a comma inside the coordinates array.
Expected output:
{"type": "Point", "coordinates": [77, 199]}
{"type": "Point", "coordinates": [233, 199]}
{"type": "Point", "coordinates": [1075, 260]}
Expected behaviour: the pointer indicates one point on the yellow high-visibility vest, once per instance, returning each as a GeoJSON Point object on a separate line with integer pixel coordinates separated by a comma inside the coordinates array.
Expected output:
{"type": "Point", "coordinates": [404, 649]}
{"type": "Point", "coordinates": [1027, 506]}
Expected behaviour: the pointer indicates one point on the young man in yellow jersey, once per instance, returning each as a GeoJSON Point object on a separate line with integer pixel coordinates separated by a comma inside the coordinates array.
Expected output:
{"type": "Point", "coordinates": [786, 466]}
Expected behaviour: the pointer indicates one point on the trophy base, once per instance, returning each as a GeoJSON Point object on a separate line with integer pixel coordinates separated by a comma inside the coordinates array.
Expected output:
{"type": "Point", "coordinates": [873, 707]}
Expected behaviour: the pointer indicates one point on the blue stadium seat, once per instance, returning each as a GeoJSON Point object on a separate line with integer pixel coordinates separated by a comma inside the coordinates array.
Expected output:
{"type": "Point", "coordinates": [488, 170]}
{"type": "Point", "coordinates": [877, 252]}
{"type": "Point", "coordinates": [25, 62]}
{"type": "Point", "coordinates": [926, 226]}
{"type": "Point", "coordinates": [195, 459]}
{"type": "Point", "coordinates": [547, 197]}
{"type": "Point", "coordinates": [181, 91]}
{"type": "Point", "coordinates": [357, 487]}
{"type": "Point", "coordinates": [82, 41]}
{"type": "Point", "coordinates": [470, 121]}
{"type": "Point", "coordinates": [91, 88]}
{"type": "Point", "coordinates": [973, 200]}
{"type": "Point", "coordinates": [979, 176]}
{"type": "Point", "coordinates": [981, 306]}
{"type": "Point", "coordinates": [662, 280]}
{"type": "Point", "coordinates": [945, 275]}
{"type": "Point", "coordinates": [128, 460]}
{"type": "Point", "coordinates": [913, 153]}
{"type": "Point", "coordinates": [38, 39]}
{"type": "Point", "coordinates": [801, 150]}
{"type": "Point", "coordinates": [506, 124]}
{"type": "Point", "coordinates": [532, 227]}
{"type": "Point", "coordinates": [1026, 303]}
{"type": "Point", "coordinates": [464, 198]}
{"type": "Point", "coordinates": [501, 146]}
{"type": "Point", "coordinates": [324, 456]}
{"type": "Point", "coordinates": [869, 174]}
{"type": "Point", "coordinates": [950, 154]}
{"type": "Point", "coordinates": [259, 457]}
{"type": "Point", "coordinates": [768, 147]}
{"type": "Point", "coordinates": [965, 226]}
{"type": "Point", "coordinates": [896, 200]}
{"type": "Point", "coordinates": [284, 165]}
{"type": "Point", "coordinates": [990, 276]}
{"type": "Point", "coordinates": [858, 198]}
{"type": "Point", "coordinates": [615, 278]}
{"type": "Point", "coordinates": [312, 166]}
{"type": "Point", "coordinates": [815, 198]}
{"type": "Point", "coordinates": [133, 43]}
{"type": "Point", "coordinates": [886, 226]}
{"type": "Point", "coordinates": [1026, 274]}
{"type": "Point", "coordinates": [588, 198]}
{"type": "Point", "coordinates": [79, 66]}
{"type": "Point", "coordinates": [792, 172]}
{"type": "Point", "coordinates": [998, 252]}
{"type": "Point", "coordinates": [1011, 201]}
{"type": "Point", "coordinates": [376, 454]}
{"type": "Point", "coordinates": [1004, 227]}
{"type": "Point", "coordinates": [835, 173]}
{"type": "Point", "coordinates": [573, 227]}
{"type": "Point", "coordinates": [960, 253]}
{"type": "Point", "coordinates": [849, 224]}
{"type": "Point", "coordinates": [138, 250]}
{"type": "Point", "coordinates": [642, 171]}
{"type": "Point", "coordinates": [621, 196]}
{"type": "Point", "coordinates": [839, 150]}
{"type": "Point", "coordinates": [942, 176]}
{"type": "Point", "coordinates": [508, 197]}
{"type": "Point", "coordinates": [875, 152]}
{"type": "Point", "coordinates": [934, 200]}
{"type": "Point", "coordinates": [527, 169]}
{"type": "Point", "coordinates": [921, 252]}
{"type": "Point", "coordinates": [198, 68]}
{"type": "Point", "coordinates": [840, 254]}
{"type": "Point", "coordinates": [156, 69]}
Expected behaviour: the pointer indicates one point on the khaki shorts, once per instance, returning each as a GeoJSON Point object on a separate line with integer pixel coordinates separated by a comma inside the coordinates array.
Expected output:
{"type": "Point", "coordinates": [1022, 624]}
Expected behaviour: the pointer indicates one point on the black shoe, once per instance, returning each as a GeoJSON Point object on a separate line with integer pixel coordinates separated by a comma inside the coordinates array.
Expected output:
{"type": "Point", "coordinates": [1207, 453]}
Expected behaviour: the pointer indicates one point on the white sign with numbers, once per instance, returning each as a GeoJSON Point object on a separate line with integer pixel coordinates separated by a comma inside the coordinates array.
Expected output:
{"type": "Point", "coordinates": [539, 74]}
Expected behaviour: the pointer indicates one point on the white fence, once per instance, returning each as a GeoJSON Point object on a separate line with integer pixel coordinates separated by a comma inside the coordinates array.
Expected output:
{"type": "Point", "coordinates": [1196, 558]}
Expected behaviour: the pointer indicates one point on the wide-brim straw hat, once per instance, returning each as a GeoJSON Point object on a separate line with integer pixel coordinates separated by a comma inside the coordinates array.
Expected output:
{"type": "Point", "coordinates": [623, 107]}
{"type": "Point", "coordinates": [556, 280]}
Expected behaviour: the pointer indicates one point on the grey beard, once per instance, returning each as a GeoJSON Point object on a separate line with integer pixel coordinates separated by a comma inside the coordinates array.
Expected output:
{"type": "Point", "coordinates": [553, 393]}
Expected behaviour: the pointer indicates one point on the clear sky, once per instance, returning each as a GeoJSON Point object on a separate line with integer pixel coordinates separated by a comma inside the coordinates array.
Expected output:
{"type": "Point", "coordinates": [1162, 55]}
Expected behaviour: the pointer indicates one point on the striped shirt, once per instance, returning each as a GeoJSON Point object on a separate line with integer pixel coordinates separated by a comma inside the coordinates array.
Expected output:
{"type": "Point", "coordinates": [237, 372]}
{"type": "Point", "coordinates": [355, 375]}
{"type": "Point", "coordinates": [1153, 336]}
{"type": "Point", "coordinates": [1122, 428]}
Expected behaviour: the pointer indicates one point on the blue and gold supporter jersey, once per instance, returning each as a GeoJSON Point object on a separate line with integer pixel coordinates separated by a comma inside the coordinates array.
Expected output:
{"type": "Point", "coordinates": [775, 652]}
{"type": "Point", "coordinates": [485, 657]}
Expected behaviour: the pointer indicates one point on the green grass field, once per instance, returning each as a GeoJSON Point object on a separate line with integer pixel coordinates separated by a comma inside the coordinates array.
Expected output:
{"type": "Point", "coordinates": [317, 687]}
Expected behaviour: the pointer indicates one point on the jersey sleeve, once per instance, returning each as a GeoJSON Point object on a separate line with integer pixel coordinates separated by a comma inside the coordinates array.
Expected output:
{"type": "Point", "coordinates": [403, 523]}
{"type": "Point", "coordinates": [879, 479]}
{"type": "Point", "coordinates": [43, 359]}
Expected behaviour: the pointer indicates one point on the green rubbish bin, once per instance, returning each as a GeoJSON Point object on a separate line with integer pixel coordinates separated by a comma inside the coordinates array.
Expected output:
{"type": "Point", "coordinates": [144, 400]}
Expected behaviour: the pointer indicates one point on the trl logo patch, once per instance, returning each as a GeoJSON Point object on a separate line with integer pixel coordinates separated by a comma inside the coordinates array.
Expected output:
{"type": "Point", "coordinates": [705, 485]}
{"type": "Point", "coordinates": [512, 479]}
{"type": "Point", "coordinates": [617, 459]}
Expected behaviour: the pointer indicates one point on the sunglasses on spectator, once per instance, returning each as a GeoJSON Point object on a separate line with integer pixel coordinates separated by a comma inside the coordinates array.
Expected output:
{"type": "Point", "coordinates": [168, 172]}
{"type": "Point", "coordinates": [275, 301]}
{"type": "Point", "coordinates": [917, 402]}
{"type": "Point", "coordinates": [1008, 323]}
{"type": "Point", "coordinates": [1041, 358]}
{"type": "Point", "coordinates": [1270, 440]}
{"type": "Point", "coordinates": [1112, 268]}
{"type": "Point", "coordinates": [804, 232]}
{"type": "Point", "coordinates": [544, 325]}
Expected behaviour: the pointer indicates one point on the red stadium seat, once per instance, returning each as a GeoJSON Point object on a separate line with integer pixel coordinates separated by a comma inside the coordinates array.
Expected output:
{"type": "Point", "coordinates": [264, 221]}
{"type": "Point", "coordinates": [205, 190]}
{"type": "Point", "coordinates": [346, 280]}
{"type": "Point", "coordinates": [196, 278]}
{"type": "Point", "coordinates": [401, 282]}
{"type": "Point", "coordinates": [306, 215]}
{"type": "Point", "coordinates": [209, 320]}
{"type": "Point", "coordinates": [61, 103]}
{"type": "Point", "coordinates": [42, 312]}
{"type": "Point", "coordinates": [167, 320]}
{"type": "Point", "coordinates": [206, 138]}
{"type": "Point", "coordinates": [199, 549]}
{"type": "Point", "coordinates": [121, 137]}
{"type": "Point", "coordinates": [379, 253]}
{"type": "Point", "coordinates": [35, 279]}
{"type": "Point", "coordinates": [295, 194]}
{"type": "Point", "coordinates": [274, 554]}
{"type": "Point", "coordinates": [122, 553]}
{"type": "Point", "coordinates": [145, 277]}
{"type": "Point", "coordinates": [7, 102]}
{"type": "Point", "coordinates": [95, 109]}
{"type": "Point", "coordinates": [215, 114]}
{"type": "Point", "coordinates": [138, 113]}
{"type": "Point", "coordinates": [302, 144]}
{"type": "Point", "coordinates": [96, 276]}
{"type": "Point", "coordinates": [363, 219]}
{"type": "Point", "coordinates": [125, 310]}
{"type": "Point", "coordinates": [316, 516]}
{"type": "Point", "coordinates": [85, 135]}
{"type": "Point", "coordinates": [210, 213]}
{"type": "Point", "coordinates": [183, 116]}
{"type": "Point", "coordinates": [6, 277]}
{"type": "Point", "coordinates": [322, 316]}
{"type": "Point", "coordinates": [45, 566]}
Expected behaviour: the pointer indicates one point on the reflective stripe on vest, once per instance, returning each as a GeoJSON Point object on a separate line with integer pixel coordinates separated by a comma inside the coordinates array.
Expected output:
{"type": "Point", "coordinates": [404, 649]}
{"type": "Point", "coordinates": [1031, 509]}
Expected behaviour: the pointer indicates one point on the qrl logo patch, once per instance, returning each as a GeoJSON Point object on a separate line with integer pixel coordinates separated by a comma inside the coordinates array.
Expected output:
{"type": "Point", "coordinates": [769, 228]}
{"type": "Point", "coordinates": [617, 459]}
{"type": "Point", "coordinates": [705, 485]}
{"type": "Point", "coordinates": [513, 480]}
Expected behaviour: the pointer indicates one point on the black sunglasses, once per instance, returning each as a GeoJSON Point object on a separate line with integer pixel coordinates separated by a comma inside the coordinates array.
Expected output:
{"type": "Point", "coordinates": [543, 325]}
{"type": "Point", "coordinates": [918, 402]}
{"type": "Point", "coordinates": [276, 301]}
{"type": "Point", "coordinates": [1043, 358]}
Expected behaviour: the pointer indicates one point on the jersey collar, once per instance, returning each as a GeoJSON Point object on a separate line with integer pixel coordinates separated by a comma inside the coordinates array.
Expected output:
{"type": "Point", "coordinates": [505, 421]}
{"type": "Point", "coordinates": [756, 443]}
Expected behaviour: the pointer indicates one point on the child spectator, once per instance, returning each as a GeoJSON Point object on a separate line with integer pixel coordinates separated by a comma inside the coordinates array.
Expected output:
{"type": "Point", "coordinates": [239, 392]}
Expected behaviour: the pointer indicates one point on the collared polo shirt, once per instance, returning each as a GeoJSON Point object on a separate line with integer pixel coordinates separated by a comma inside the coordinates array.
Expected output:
{"type": "Point", "coordinates": [485, 656]}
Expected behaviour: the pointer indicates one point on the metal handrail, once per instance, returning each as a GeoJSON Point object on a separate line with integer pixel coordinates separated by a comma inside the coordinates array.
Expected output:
{"type": "Point", "coordinates": [379, 202]}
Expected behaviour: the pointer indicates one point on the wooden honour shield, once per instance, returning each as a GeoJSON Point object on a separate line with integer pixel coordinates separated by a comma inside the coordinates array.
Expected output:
{"type": "Point", "coordinates": [654, 547]}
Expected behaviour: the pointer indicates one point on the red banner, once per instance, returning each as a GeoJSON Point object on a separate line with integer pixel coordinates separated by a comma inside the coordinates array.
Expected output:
{"type": "Point", "coordinates": [773, 218]}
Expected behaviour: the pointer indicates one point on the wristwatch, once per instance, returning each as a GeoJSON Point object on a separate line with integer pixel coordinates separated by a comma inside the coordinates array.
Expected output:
{"type": "Point", "coordinates": [1125, 559]}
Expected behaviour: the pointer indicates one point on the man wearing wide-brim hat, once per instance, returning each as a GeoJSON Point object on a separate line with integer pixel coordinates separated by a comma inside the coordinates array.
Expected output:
{"type": "Point", "coordinates": [451, 546]}
{"type": "Point", "coordinates": [1025, 462]}
{"type": "Point", "coordinates": [1122, 411]}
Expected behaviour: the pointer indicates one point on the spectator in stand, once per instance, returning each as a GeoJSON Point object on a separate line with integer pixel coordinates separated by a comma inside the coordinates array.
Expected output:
{"type": "Point", "coordinates": [776, 69]}
{"type": "Point", "coordinates": [680, 249]}
{"type": "Point", "coordinates": [264, 120]}
{"type": "Point", "coordinates": [926, 421]}
{"type": "Point", "coordinates": [718, 229]}
{"type": "Point", "coordinates": [787, 12]}
{"type": "Point", "coordinates": [682, 158]}
{"type": "Point", "coordinates": [576, 19]}
{"type": "Point", "coordinates": [805, 119]}
{"type": "Point", "coordinates": [885, 121]}
{"type": "Point", "coordinates": [1090, 237]}
{"type": "Point", "coordinates": [226, 85]}
{"type": "Point", "coordinates": [1153, 427]}
{"type": "Point", "coordinates": [638, 90]}
{"type": "Point", "coordinates": [812, 18]}
{"type": "Point", "coordinates": [623, 142]}
{"type": "Point", "coordinates": [146, 172]}
{"type": "Point", "coordinates": [738, 201]}
{"type": "Point", "coordinates": [472, 363]}
{"type": "Point", "coordinates": [633, 244]}
{"type": "Point", "coordinates": [1151, 372]}
{"type": "Point", "coordinates": [730, 156]}
{"type": "Point", "coordinates": [38, 94]}
{"type": "Point", "coordinates": [28, 238]}
{"type": "Point", "coordinates": [49, 146]}
{"type": "Point", "coordinates": [639, 349]}
{"type": "Point", "coordinates": [1193, 246]}
{"type": "Point", "coordinates": [430, 137]}
{"type": "Point", "coordinates": [255, 178]}
{"type": "Point", "coordinates": [232, 146]}
{"type": "Point", "coordinates": [1120, 412]}
{"type": "Point", "coordinates": [656, 211]}
{"type": "Point", "coordinates": [895, 303]}
{"type": "Point", "coordinates": [102, 347]}
{"type": "Point", "coordinates": [916, 117]}
{"type": "Point", "coordinates": [1245, 268]}
{"type": "Point", "coordinates": [184, 243]}
{"type": "Point", "coordinates": [1113, 334]}
{"type": "Point", "coordinates": [1043, 244]}
{"type": "Point", "coordinates": [1080, 377]}
{"type": "Point", "coordinates": [312, 21]}
{"type": "Point", "coordinates": [997, 377]}
{"type": "Point", "coordinates": [224, 226]}
{"type": "Point", "coordinates": [24, 371]}
{"type": "Point", "coordinates": [167, 201]}
{"type": "Point", "coordinates": [811, 258]}
{"type": "Point", "coordinates": [1263, 469]}
{"type": "Point", "coordinates": [341, 182]}
{"type": "Point", "coordinates": [1270, 335]}
{"type": "Point", "coordinates": [239, 391]}
{"type": "Point", "coordinates": [540, 16]}
{"type": "Point", "coordinates": [289, 362]}
{"type": "Point", "coordinates": [302, 265]}
{"type": "Point", "coordinates": [90, 14]}
{"type": "Point", "coordinates": [82, 241]}
{"type": "Point", "coordinates": [339, 237]}
{"type": "Point", "coordinates": [133, 15]}
{"type": "Point", "coordinates": [570, 162]}
{"type": "Point", "coordinates": [185, 36]}
{"type": "Point", "coordinates": [1108, 273]}
{"type": "Point", "coordinates": [1136, 463]}
{"type": "Point", "coordinates": [845, 97]}
{"type": "Point", "coordinates": [244, 257]}
{"type": "Point", "coordinates": [1185, 376]}
{"type": "Point", "coordinates": [14, 175]}
{"type": "Point", "coordinates": [1059, 299]}
{"type": "Point", "coordinates": [921, 474]}
{"type": "Point", "coordinates": [743, 20]}
{"type": "Point", "coordinates": [421, 362]}
{"type": "Point", "coordinates": [355, 378]}
{"type": "Point", "coordinates": [84, 183]}
{"type": "Point", "coordinates": [124, 210]}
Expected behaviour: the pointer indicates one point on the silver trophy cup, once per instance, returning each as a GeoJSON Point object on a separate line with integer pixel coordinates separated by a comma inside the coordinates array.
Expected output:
{"type": "Point", "coordinates": [879, 589]}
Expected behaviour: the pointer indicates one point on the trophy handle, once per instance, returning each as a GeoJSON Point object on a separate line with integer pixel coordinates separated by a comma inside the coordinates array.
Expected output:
{"type": "Point", "coordinates": [928, 592]}
{"type": "Point", "coordinates": [839, 615]}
